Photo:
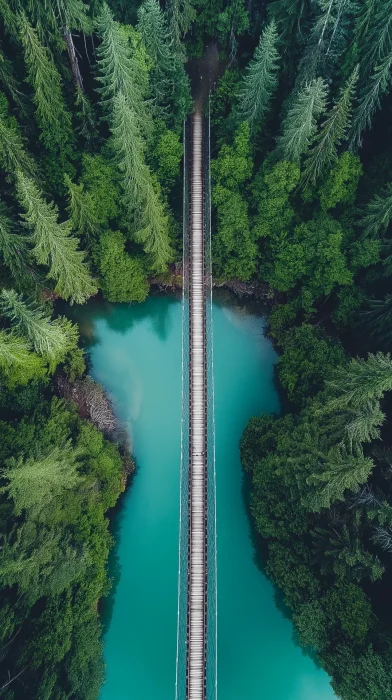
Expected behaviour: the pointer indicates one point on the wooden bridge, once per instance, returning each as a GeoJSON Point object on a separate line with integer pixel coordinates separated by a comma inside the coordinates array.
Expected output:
{"type": "Point", "coordinates": [196, 643]}
{"type": "Point", "coordinates": [197, 586]}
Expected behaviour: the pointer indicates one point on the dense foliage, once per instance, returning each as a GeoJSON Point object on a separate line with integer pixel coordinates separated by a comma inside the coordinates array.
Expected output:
{"type": "Point", "coordinates": [92, 99]}
{"type": "Point", "coordinates": [303, 208]}
{"type": "Point", "coordinates": [91, 114]}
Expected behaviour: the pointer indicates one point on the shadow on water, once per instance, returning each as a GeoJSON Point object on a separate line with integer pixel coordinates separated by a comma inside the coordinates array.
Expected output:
{"type": "Point", "coordinates": [156, 309]}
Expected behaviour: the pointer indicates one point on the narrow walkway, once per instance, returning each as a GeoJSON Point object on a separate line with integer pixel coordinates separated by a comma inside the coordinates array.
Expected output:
{"type": "Point", "coordinates": [197, 573]}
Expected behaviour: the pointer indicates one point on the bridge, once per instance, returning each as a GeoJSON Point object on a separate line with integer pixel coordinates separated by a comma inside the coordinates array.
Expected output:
{"type": "Point", "coordinates": [196, 675]}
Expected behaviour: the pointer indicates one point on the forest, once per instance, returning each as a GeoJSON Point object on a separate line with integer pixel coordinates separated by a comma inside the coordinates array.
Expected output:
{"type": "Point", "coordinates": [92, 102]}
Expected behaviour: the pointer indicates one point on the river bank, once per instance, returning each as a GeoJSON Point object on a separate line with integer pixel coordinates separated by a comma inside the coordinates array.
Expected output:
{"type": "Point", "coordinates": [259, 291]}
{"type": "Point", "coordinates": [135, 352]}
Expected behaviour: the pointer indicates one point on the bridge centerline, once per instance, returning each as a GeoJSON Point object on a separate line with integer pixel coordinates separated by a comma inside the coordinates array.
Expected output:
{"type": "Point", "coordinates": [196, 659]}
{"type": "Point", "coordinates": [197, 532]}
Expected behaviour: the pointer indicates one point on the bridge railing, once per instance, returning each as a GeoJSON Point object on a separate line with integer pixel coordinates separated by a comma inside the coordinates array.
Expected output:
{"type": "Point", "coordinates": [212, 613]}
{"type": "Point", "coordinates": [184, 466]}
{"type": "Point", "coordinates": [209, 651]}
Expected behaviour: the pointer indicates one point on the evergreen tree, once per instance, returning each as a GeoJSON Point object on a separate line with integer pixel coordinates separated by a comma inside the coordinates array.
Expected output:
{"type": "Point", "coordinates": [13, 246]}
{"type": "Point", "coordinates": [33, 483]}
{"type": "Point", "coordinates": [340, 470]}
{"type": "Point", "coordinates": [141, 194]}
{"type": "Point", "coordinates": [291, 17]}
{"type": "Point", "coordinates": [10, 20]}
{"type": "Point", "coordinates": [15, 353]}
{"type": "Point", "coordinates": [31, 322]}
{"type": "Point", "coordinates": [13, 155]}
{"type": "Point", "coordinates": [327, 38]}
{"type": "Point", "coordinates": [81, 210]}
{"type": "Point", "coordinates": [168, 81]}
{"type": "Point", "coordinates": [51, 19]}
{"type": "Point", "coordinates": [73, 14]}
{"type": "Point", "coordinates": [118, 69]}
{"type": "Point", "coordinates": [128, 152]}
{"type": "Point", "coordinates": [374, 35]}
{"type": "Point", "coordinates": [261, 78]}
{"type": "Point", "coordinates": [332, 132]}
{"type": "Point", "coordinates": [379, 319]}
{"type": "Point", "coordinates": [181, 15]}
{"type": "Point", "coordinates": [12, 85]}
{"type": "Point", "coordinates": [85, 114]}
{"type": "Point", "coordinates": [364, 423]}
{"type": "Point", "coordinates": [155, 34]}
{"type": "Point", "coordinates": [360, 382]}
{"type": "Point", "coordinates": [370, 99]}
{"type": "Point", "coordinates": [378, 214]}
{"type": "Point", "coordinates": [300, 125]}
{"type": "Point", "coordinates": [364, 18]}
{"type": "Point", "coordinates": [54, 245]}
{"type": "Point", "coordinates": [52, 114]}
{"type": "Point", "coordinates": [375, 51]}
{"type": "Point", "coordinates": [153, 231]}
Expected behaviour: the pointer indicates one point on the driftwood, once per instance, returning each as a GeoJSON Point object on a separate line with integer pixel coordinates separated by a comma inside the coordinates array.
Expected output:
{"type": "Point", "coordinates": [91, 401]}
{"type": "Point", "coordinates": [94, 405]}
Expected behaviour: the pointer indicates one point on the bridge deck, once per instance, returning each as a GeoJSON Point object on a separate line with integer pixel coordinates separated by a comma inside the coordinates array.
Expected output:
{"type": "Point", "coordinates": [197, 574]}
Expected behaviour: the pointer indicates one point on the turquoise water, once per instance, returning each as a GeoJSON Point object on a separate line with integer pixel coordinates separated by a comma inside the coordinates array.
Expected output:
{"type": "Point", "coordinates": [136, 354]}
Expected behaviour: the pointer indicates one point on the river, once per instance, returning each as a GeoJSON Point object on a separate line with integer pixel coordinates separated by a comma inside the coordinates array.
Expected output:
{"type": "Point", "coordinates": [135, 353]}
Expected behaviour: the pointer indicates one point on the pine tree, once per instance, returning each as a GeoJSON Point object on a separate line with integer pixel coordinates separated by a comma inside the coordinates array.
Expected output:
{"type": "Point", "coordinates": [300, 125]}
{"type": "Point", "coordinates": [378, 214]}
{"type": "Point", "coordinates": [15, 353]}
{"type": "Point", "coordinates": [81, 210]}
{"type": "Point", "coordinates": [340, 470]}
{"type": "Point", "coordinates": [12, 85]}
{"type": "Point", "coordinates": [13, 155]}
{"type": "Point", "coordinates": [141, 195]}
{"type": "Point", "coordinates": [370, 99]}
{"type": "Point", "coordinates": [379, 319]}
{"type": "Point", "coordinates": [168, 81]}
{"type": "Point", "coordinates": [374, 35]}
{"type": "Point", "coordinates": [360, 382]}
{"type": "Point", "coordinates": [72, 14]}
{"type": "Point", "coordinates": [333, 131]}
{"type": "Point", "coordinates": [30, 322]}
{"type": "Point", "coordinates": [118, 69]}
{"type": "Point", "coordinates": [261, 78]}
{"type": "Point", "coordinates": [181, 15]}
{"type": "Point", "coordinates": [85, 114]}
{"type": "Point", "coordinates": [33, 483]}
{"type": "Point", "coordinates": [374, 40]}
{"type": "Point", "coordinates": [365, 18]}
{"type": "Point", "coordinates": [154, 32]}
{"type": "Point", "coordinates": [52, 114]}
{"type": "Point", "coordinates": [153, 231]}
{"type": "Point", "coordinates": [10, 20]}
{"type": "Point", "coordinates": [364, 424]}
{"type": "Point", "coordinates": [327, 39]}
{"type": "Point", "coordinates": [291, 17]}
{"type": "Point", "coordinates": [12, 246]}
{"type": "Point", "coordinates": [54, 245]}
{"type": "Point", "coordinates": [128, 152]}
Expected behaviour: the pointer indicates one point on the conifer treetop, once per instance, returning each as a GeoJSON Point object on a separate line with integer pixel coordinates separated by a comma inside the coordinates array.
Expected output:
{"type": "Point", "coordinates": [261, 78]}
